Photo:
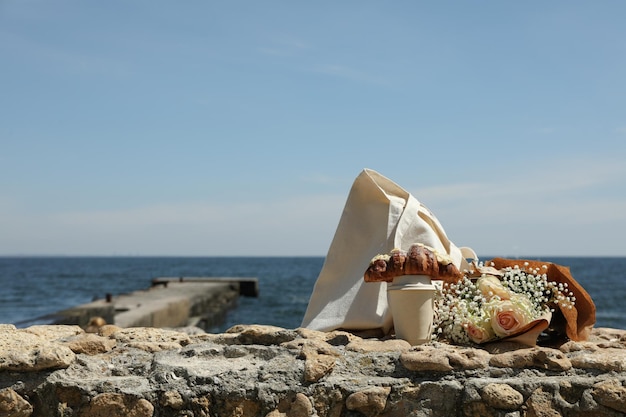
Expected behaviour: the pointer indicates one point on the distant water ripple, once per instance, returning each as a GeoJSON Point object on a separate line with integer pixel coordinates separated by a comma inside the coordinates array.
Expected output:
{"type": "Point", "coordinates": [33, 287]}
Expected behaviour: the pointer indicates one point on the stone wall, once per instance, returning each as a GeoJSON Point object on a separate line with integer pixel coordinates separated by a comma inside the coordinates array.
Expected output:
{"type": "Point", "coordinates": [270, 371]}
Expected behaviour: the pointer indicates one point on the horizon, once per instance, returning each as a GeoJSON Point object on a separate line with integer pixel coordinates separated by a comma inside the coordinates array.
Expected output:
{"type": "Point", "coordinates": [129, 128]}
{"type": "Point", "coordinates": [484, 258]}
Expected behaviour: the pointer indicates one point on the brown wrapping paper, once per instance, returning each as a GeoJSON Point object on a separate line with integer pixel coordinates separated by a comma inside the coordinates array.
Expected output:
{"type": "Point", "coordinates": [579, 320]}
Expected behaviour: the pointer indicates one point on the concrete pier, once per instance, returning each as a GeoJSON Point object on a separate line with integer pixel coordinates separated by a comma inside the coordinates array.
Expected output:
{"type": "Point", "coordinates": [169, 302]}
{"type": "Point", "coordinates": [248, 287]}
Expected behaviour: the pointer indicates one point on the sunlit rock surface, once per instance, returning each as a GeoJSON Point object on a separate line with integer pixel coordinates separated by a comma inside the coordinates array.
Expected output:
{"type": "Point", "coordinates": [270, 371]}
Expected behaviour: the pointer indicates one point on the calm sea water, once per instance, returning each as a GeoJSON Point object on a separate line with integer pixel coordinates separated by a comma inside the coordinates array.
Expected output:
{"type": "Point", "coordinates": [33, 287]}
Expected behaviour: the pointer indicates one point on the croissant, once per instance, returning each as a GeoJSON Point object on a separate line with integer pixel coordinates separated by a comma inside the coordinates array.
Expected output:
{"type": "Point", "coordinates": [420, 260]}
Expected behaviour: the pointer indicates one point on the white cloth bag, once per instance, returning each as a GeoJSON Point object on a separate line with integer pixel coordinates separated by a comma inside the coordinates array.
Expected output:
{"type": "Point", "coordinates": [378, 216]}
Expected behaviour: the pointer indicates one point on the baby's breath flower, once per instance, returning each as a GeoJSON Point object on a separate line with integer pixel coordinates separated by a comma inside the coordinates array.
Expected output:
{"type": "Point", "coordinates": [461, 306]}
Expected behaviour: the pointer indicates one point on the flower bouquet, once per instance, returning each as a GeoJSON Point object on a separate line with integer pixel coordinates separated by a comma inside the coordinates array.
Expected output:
{"type": "Point", "coordinates": [513, 300]}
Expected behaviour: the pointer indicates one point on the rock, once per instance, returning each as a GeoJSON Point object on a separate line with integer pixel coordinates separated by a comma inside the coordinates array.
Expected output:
{"type": "Point", "coordinates": [605, 333]}
{"type": "Point", "coordinates": [536, 357]}
{"type": "Point", "coordinates": [371, 345]}
{"type": "Point", "coordinates": [108, 330]}
{"type": "Point", "coordinates": [318, 366]}
{"type": "Point", "coordinates": [241, 407]}
{"type": "Point", "coordinates": [370, 402]}
{"type": "Point", "coordinates": [438, 397]}
{"type": "Point", "coordinates": [172, 399]}
{"type": "Point", "coordinates": [300, 407]}
{"type": "Point", "coordinates": [151, 339]}
{"type": "Point", "coordinates": [468, 358]}
{"type": "Point", "coordinates": [502, 396]}
{"type": "Point", "coordinates": [118, 405]}
{"type": "Point", "coordinates": [335, 338]}
{"type": "Point", "coordinates": [605, 360]}
{"type": "Point", "coordinates": [189, 330]}
{"type": "Point", "coordinates": [201, 406]}
{"type": "Point", "coordinates": [90, 344]}
{"type": "Point", "coordinates": [222, 338]}
{"type": "Point", "coordinates": [540, 404]}
{"type": "Point", "coordinates": [479, 409]}
{"type": "Point", "coordinates": [426, 358]}
{"type": "Point", "coordinates": [573, 346]}
{"type": "Point", "coordinates": [13, 405]}
{"type": "Point", "coordinates": [24, 350]}
{"type": "Point", "coordinates": [54, 332]}
{"type": "Point", "coordinates": [328, 402]}
{"type": "Point", "coordinates": [269, 371]}
{"type": "Point", "coordinates": [262, 335]}
{"type": "Point", "coordinates": [611, 394]}
{"type": "Point", "coordinates": [444, 358]}
{"type": "Point", "coordinates": [310, 345]}
{"type": "Point", "coordinates": [319, 359]}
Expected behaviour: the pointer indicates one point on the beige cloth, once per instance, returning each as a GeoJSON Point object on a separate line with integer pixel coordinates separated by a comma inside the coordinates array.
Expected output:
{"type": "Point", "coordinates": [378, 216]}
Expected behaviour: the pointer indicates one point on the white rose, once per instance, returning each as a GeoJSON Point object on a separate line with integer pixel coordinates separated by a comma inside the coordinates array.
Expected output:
{"type": "Point", "coordinates": [509, 316]}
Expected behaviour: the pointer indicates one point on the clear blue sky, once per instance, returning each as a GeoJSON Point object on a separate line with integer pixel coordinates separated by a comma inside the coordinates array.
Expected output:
{"type": "Point", "coordinates": [237, 128]}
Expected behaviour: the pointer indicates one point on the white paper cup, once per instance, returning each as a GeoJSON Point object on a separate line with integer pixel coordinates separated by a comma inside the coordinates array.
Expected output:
{"type": "Point", "coordinates": [411, 299]}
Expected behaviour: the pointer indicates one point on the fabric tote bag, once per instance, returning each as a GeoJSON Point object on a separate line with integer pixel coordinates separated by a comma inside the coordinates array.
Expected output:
{"type": "Point", "coordinates": [378, 216]}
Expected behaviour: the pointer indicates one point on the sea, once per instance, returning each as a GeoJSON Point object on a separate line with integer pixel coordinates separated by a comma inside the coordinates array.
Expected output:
{"type": "Point", "coordinates": [32, 289]}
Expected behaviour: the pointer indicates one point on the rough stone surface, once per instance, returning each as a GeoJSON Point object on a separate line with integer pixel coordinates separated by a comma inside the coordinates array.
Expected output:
{"type": "Point", "coordinates": [537, 357]}
{"type": "Point", "coordinates": [24, 350]}
{"type": "Point", "coordinates": [370, 401]}
{"type": "Point", "coordinates": [300, 407]}
{"type": "Point", "coordinates": [12, 404]}
{"type": "Point", "coordinates": [368, 345]}
{"type": "Point", "coordinates": [502, 396]}
{"type": "Point", "coordinates": [611, 393]}
{"type": "Point", "coordinates": [151, 339]}
{"type": "Point", "coordinates": [438, 357]}
{"type": "Point", "coordinates": [541, 404]}
{"type": "Point", "coordinates": [54, 332]}
{"type": "Point", "coordinates": [262, 371]}
{"type": "Point", "coordinates": [117, 405]}
{"type": "Point", "coordinates": [90, 344]}
{"type": "Point", "coordinates": [172, 399]}
{"type": "Point", "coordinates": [606, 360]}
{"type": "Point", "coordinates": [426, 359]}
{"type": "Point", "coordinates": [318, 361]}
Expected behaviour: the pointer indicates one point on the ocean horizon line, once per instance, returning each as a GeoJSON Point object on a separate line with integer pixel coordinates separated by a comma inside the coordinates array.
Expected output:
{"type": "Point", "coordinates": [521, 257]}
